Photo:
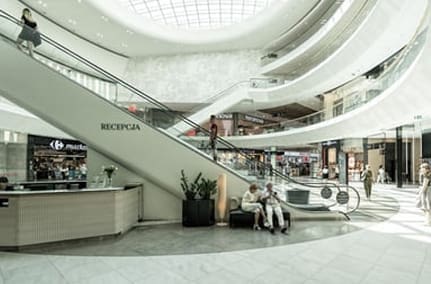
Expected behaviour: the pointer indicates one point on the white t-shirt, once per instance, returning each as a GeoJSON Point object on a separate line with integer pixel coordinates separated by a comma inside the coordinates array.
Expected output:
{"type": "Point", "coordinates": [251, 197]}
{"type": "Point", "coordinates": [270, 199]}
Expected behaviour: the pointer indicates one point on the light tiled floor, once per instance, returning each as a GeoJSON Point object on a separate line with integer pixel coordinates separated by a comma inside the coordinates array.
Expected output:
{"type": "Point", "coordinates": [394, 251]}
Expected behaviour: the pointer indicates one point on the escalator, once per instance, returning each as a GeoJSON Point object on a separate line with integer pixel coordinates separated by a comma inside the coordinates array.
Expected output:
{"type": "Point", "coordinates": [129, 137]}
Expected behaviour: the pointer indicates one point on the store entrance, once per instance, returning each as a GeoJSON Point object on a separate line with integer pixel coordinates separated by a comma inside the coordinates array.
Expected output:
{"type": "Point", "coordinates": [51, 158]}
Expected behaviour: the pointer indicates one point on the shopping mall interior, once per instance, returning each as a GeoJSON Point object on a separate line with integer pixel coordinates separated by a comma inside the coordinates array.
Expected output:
{"type": "Point", "coordinates": [211, 141]}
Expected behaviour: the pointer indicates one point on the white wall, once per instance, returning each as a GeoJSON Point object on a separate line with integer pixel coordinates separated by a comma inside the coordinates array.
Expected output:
{"type": "Point", "coordinates": [17, 119]}
{"type": "Point", "coordinates": [192, 77]}
{"type": "Point", "coordinates": [158, 203]}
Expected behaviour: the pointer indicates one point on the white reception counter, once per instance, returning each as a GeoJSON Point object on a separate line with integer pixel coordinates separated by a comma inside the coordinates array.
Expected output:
{"type": "Point", "coordinates": [35, 217]}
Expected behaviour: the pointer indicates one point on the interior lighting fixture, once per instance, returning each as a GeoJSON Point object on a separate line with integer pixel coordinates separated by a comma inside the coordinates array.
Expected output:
{"type": "Point", "coordinates": [105, 18]}
{"type": "Point", "coordinates": [124, 45]}
{"type": "Point", "coordinates": [99, 35]}
{"type": "Point", "coordinates": [222, 199]}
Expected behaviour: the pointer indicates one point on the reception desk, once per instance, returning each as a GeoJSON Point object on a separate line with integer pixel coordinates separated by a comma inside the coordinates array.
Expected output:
{"type": "Point", "coordinates": [35, 217]}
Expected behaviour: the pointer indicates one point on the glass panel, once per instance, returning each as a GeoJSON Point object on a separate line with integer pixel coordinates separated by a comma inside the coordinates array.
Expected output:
{"type": "Point", "coordinates": [205, 14]}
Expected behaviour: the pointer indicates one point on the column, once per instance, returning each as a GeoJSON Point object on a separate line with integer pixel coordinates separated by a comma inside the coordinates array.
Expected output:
{"type": "Point", "coordinates": [399, 157]}
{"type": "Point", "coordinates": [235, 121]}
{"type": "Point", "coordinates": [365, 149]}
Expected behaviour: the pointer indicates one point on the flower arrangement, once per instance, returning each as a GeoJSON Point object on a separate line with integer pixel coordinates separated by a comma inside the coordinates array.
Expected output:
{"type": "Point", "coordinates": [109, 170]}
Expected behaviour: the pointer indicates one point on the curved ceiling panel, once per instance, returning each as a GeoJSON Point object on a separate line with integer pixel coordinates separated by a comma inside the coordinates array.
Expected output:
{"type": "Point", "coordinates": [111, 25]}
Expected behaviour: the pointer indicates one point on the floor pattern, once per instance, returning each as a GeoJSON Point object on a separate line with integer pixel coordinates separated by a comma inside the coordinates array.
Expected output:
{"type": "Point", "coordinates": [394, 251]}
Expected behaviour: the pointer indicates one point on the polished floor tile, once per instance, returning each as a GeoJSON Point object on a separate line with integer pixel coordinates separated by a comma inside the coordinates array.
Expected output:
{"type": "Point", "coordinates": [393, 248]}
{"type": "Point", "coordinates": [174, 239]}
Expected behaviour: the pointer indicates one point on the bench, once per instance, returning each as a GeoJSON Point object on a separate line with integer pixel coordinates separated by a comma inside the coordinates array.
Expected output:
{"type": "Point", "coordinates": [240, 218]}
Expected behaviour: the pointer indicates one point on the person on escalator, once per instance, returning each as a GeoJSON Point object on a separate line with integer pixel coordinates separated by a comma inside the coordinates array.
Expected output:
{"type": "Point", "coordinates": [213, 136]}
{"type": "Point", "coordinates": [272, 204]}
{"type": "Point", "coordinates": [29, 32]}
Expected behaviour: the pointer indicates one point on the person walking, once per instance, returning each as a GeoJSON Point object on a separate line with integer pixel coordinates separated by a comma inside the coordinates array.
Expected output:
{"type": "Point", "coordinates": [381, 175]}
{"type": "Point", "coordinates": [337, 171]}
{"type": "Point", "coordinates": [367, 178]}
{"type": "Point", "coordinates": [325, 172]}
{"type": "Point", "coordinates": [424, 196]}
{"type": "Point", "coordinates": [29, 32]}
{"type": "Point", "coordinates": [213, 136]}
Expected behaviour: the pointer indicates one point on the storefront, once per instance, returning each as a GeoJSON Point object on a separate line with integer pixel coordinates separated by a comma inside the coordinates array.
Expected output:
{"type": "Point", "coordinates": [297, 163]}
{"type": "Point", "coordinates": [53, 158]}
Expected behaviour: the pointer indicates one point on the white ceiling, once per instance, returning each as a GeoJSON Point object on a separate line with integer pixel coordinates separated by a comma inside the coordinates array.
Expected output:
{"type": "Point", "coordinates": [112, 25]}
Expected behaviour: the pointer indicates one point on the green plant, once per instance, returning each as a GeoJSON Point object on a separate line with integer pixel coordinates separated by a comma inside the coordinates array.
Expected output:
{"type": "Point", "coordinates": [190, 189]}
{"type": "Point", "coordinates": [109, 170]}
{"type": "Point", "coordinates": [207, 188]}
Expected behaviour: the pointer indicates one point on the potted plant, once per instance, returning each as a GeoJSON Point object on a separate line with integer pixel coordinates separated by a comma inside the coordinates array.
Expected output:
{"type": "Point", "coordinates": [198, 211]}
{"type": "Point", "coordinates": [207, 188]}
{"type": "Point", "coordinates": [190, 189]}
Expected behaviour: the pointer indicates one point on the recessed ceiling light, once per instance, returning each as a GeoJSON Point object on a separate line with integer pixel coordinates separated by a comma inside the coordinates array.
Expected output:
{"type": "Point", "coordinates": [99, 35]}
{"type": "Point", "coordinates": [79, 1]}
{"type": "Point", "coordinates": [124, 45]}
{"type": "Point", "coordinates": [39, 2]}
{"type": "Point", "coordinates": [129, 32]}
{"type": "Point", "coordinates": [44, 5]}
{"type": "Point", "coordinates": [105, 18]}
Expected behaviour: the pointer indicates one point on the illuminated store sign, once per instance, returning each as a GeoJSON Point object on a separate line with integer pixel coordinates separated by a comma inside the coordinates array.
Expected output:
{"type": "Point", "coordinates": [254, 119]}
{"type": "Point", "coordinates": [120, 126]}
{"type": "Point", "coordinates": [58, 145]}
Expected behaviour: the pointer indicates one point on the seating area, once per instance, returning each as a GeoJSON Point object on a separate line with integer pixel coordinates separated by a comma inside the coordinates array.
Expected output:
{"type": "Point", "coordinates": [240, 218]}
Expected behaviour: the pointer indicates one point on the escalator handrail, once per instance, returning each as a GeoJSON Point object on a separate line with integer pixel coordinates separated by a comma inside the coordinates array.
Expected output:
{"type": "Point", "coordinates": [141, 94]}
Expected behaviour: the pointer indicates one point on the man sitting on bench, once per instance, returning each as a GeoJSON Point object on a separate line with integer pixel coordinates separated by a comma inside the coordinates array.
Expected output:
{"type": "Point", "coordinates": [272, 204]}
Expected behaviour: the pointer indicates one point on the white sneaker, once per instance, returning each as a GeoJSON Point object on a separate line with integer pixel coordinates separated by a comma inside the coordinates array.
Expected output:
{"type": "Point", "coordinates": [256, 228]}
{"type": "Point", "coordinates": [266, 224]}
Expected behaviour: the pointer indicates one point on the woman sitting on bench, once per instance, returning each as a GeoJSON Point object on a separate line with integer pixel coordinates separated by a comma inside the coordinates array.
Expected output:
{"type": "Point", "coordinates": [250, 203]}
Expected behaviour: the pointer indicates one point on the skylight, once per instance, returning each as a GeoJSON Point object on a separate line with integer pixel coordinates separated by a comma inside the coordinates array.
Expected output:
{"type": "Point", "coordinates": [197, 14]}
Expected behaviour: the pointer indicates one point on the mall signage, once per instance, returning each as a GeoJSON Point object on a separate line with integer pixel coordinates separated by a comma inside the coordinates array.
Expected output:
{"type": "Point", "coordinates": [120, 127]}
{"type": "Point", "coordinates": [254, 119]}
{"type": "Point", "coordinates": [59, 145]}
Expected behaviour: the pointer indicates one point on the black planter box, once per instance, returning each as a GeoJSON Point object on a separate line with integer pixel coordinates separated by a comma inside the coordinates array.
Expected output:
{"type": "Point", "coordinates": [198, 213]}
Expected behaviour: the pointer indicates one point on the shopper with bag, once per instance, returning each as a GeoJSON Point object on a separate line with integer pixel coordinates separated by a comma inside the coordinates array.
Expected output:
{"type": "Point", "coordinates": [29, 32]}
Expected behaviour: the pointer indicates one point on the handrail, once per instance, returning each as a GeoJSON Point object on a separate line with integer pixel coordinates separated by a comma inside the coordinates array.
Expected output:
{"type": "Point", "coordinates": [163, 107]}
{"type": "Point", "coordinates": [274, 46]}
{"type": "Point", "coordinates": [400, 56]}
{"type": "Point", "coordinates": [65, 64]}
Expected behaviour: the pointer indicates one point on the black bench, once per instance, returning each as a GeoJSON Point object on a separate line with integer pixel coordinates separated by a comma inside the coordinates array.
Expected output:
{"type": "Point", "coordinates": [240, 218]}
